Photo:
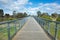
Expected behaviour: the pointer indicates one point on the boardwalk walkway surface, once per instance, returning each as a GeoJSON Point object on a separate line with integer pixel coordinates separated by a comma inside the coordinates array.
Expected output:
{"type": "Point", "coordinates": [31, 31]}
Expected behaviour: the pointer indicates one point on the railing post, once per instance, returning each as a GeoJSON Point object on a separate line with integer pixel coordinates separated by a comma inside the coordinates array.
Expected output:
{"type": "Point", "coordinates": [8, 31]}
{"type": "Point", "coordinates": [38, 20]}
{"type": "Point", "coordinates": [56, 31]}
{"type": "Point", "coordinates": [15, 27]}
{"type": "Point", "coordinates": [19, 24]}
{"type": "Point", "coordinates": [24, 21]}
{"type": "Point", "coordinates": [48, 27]}
{"type": "Point", "coordinates": [42, 23]}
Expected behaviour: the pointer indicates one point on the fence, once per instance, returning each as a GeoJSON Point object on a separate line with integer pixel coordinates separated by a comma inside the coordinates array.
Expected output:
{"type": "Point", "coordinates": [52, 28]}
{"type": "Point", "coordinates": [10, 28]}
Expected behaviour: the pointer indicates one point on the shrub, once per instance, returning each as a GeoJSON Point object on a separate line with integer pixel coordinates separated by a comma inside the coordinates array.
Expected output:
{"type": "Point", "coordinates": [11, 18]}
{"type": "Point", "coordinates": [58, 19]}
{"type": "Point", "coordinates": [46, 17]}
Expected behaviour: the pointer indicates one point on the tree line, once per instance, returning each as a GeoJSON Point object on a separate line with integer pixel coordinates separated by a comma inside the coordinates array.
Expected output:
{"type": "Point", "coordinates": [7, 16]}
{"type": "Point", "coordinates": [54, 16]}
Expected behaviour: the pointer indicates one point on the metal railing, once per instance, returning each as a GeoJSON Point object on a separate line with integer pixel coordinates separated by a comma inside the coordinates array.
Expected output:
{"type": "Point", "coordinates": [52, 28]}
{"type": "Point", "coordinates": [10, 28]}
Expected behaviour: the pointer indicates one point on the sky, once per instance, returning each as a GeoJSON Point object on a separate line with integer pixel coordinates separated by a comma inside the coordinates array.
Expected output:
{"type": "Point", "coordinates": [30, 6]}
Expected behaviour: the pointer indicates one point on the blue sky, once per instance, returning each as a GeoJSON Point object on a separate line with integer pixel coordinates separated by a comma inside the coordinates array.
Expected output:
{"type": "Point", "coordinates": [30, 6]}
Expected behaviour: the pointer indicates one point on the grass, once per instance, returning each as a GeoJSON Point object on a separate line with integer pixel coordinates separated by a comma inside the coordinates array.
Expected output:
{"type": "Point", "coordinates": [4, 33]}
{"type": "Point", "coordinates": [58, 36]}
{"type": "Point", "coordinates": [4, 29]}
{"type": "Point", "coordinates": [6, 19]}
{"type": "Point", "coordinates": [52, 29]}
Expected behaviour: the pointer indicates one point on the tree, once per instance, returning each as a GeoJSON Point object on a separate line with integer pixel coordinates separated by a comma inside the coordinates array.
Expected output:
{"type": "Point", "coordinates": [54, 15]}
{"type": "Point", "coordinates": [1, 14]}
{"type": "Point", "coordinates": [19, 15]}
{"type": "Point", "coordinates": [7, 15]}
{"type": "Point", "coordinates": [38, 13]}
{"type": "Point", "coordinates": [58, 18]}
{"type": "Point", "coordinates": [14, 14]}
{"type": "Point", "coordinates": [45, 16]}
{"type": "Point", "coordinates": [25, 14]}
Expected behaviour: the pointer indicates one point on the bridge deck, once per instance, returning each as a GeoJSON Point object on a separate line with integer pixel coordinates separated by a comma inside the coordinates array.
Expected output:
{"type": "Point", "coordinates": [31, 31]}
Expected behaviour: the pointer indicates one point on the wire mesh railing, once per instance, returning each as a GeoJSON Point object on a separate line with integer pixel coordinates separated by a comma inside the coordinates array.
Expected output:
{"type": "Point", "coordinates": [10, 28]}
{"type": "Point", "coordinates": [52, 28]}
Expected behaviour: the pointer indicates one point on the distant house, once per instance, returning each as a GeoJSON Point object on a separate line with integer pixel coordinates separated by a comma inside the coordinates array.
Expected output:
{"type": "Point", "coordinates": [1, 13]}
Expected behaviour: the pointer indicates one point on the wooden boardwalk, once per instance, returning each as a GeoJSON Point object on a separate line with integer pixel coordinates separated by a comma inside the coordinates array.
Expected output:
{"type": "Point", "coordinates": [31, 31]}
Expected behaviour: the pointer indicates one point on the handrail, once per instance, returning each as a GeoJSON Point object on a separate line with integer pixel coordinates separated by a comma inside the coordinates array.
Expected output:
{"type": "Point", "coordinates": [50, 27]}
{"type": "Point", "coordinates": [50, 20]}
{"type": "Point", "coordinates": [4, 22]}
{"type": "Point", "coordinates": [9, 28]}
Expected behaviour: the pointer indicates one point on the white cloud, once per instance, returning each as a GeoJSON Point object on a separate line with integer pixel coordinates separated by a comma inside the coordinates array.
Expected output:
{"type": "Point", "coordinates": [30, 3]}
{"type": "Point", "coordinates": [32, 11]}
{"type": "Point", "coordinates": [15, 5]}
{"type": "Point", "coordinates": [21, 2]}
{"type": "Point", "coordinates": [4, 1]}
{"type": "Point", "coordinates": [12, 5]}
{"type": "Point", "coordinates": [20, 5]}
{"type": "Point", "coordinates": [49, 7]}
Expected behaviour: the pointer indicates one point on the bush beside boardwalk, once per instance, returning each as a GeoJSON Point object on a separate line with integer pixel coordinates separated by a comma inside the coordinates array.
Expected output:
{"type": "Point", "coordinates": [53, 16]}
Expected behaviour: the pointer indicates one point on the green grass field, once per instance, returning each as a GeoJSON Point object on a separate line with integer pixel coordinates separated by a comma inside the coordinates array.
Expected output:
{"type": "Point", "coordinates": [52, 29]}
{"type": "Point", "coordinates": [4, 33]}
